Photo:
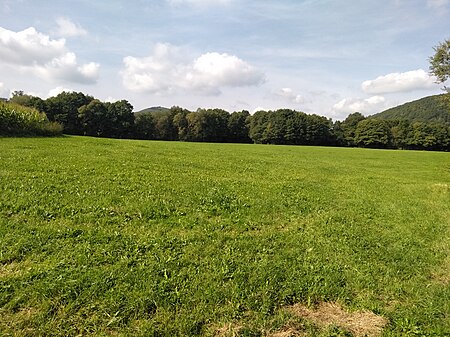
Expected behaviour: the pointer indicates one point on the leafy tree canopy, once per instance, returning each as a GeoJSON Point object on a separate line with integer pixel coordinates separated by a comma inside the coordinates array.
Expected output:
{"type": "Point", "coordinates": [440, 62]}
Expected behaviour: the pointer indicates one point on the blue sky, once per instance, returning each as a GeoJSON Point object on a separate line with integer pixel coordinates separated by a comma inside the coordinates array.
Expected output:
{"type": "Point", "coordinates": [330, 57]}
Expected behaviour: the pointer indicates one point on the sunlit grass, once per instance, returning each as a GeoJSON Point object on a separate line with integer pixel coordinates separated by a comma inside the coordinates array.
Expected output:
{"type": "Point", "coordinates": [106, 237]}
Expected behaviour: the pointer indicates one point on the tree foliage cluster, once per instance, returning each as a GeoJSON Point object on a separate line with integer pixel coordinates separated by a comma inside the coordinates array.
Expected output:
{"type": "Point", "coordinates": [290, 127]}
{"type": "Point", "coordinates": [356, 130]}
{"type": "Point", "coordinates": [18, 120]}
{"type": "Point", "coordinates": [83, 115]}
{"type": "Point", "coordinates": [440, 63]}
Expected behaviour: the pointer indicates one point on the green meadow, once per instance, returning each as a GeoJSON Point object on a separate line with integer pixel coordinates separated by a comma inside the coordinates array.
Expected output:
{"type": "Point", "coordinates": [143, 238]}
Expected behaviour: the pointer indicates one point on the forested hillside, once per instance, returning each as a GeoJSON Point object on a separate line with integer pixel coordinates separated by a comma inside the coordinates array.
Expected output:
{"type": "Point", "coordinates": [431, 109]}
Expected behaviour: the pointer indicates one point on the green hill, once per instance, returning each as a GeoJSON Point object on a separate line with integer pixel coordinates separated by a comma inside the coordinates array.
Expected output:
{"type": "Point", "coordinates": [154, 110]}
{"type": "Point", "coordinates": [428, 109]}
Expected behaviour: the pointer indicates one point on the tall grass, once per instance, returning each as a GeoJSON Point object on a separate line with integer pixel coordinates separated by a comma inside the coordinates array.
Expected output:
{"type": "Point", "coordinates": [17, 120]}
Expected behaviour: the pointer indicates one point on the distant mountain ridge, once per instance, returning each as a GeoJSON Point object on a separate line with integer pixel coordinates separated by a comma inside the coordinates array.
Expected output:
{"type": "Point", "coordinates": [154, 109]}
{"type": "Point", "coordinates": [431, 109]}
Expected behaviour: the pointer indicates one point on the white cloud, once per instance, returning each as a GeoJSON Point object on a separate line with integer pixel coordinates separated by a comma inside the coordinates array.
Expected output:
{"type": "Point", "coordinates": [168, 70]}
{"type": "Point", "coordinates": [214, 70]}
{"type": "Point", "coordinates": [365, 106]}
{"type": "Point", "coordinates": [438, 4]}
{"type": "Point", "coordinates": [4, 92]}
{"type": "Point", "coordinates": [111, 99]}
{"type": "Point", "coordinates": [28, 47]}
{"type": "Point", "coordinates": [399, 82]}
{"type": "Point", "coordinates": [67, 28]}
{"type": "Point", "coordinates": [289, 95]}
{"type": "Point", "coordinates": [66, 67]}
{"type": "Point", "coordinates": [56, 91]}
{"type": "Point", "coordinates": [199, 3]}
{"type": "Point", "coordinates": [49, 59]}
{"type": "Point", "coordinates": [259, 108]}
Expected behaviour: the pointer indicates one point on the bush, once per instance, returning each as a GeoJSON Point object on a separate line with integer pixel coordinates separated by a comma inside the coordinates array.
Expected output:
{"type": "Point", "coordinates": [17, 120]}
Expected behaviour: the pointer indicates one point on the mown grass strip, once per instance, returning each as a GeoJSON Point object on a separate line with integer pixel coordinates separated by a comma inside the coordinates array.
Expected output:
{"type": "Point", "coordinates": [121, 237]}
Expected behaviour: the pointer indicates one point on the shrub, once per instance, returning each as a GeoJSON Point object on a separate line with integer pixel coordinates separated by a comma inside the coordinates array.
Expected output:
{"type": "Point", "coordinates": [17, 120]}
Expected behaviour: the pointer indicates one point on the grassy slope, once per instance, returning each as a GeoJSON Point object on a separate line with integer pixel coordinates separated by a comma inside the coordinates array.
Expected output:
{"type": "Point", "coordinates": [155, 238]}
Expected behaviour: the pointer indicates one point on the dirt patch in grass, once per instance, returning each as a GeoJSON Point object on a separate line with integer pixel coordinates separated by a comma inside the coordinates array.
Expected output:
{"type": "Point", "coordinates": [360, 323]}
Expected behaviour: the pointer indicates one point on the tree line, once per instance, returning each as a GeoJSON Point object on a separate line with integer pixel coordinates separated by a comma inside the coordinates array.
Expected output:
{"type": "Point", "coordinates": [81, 114]}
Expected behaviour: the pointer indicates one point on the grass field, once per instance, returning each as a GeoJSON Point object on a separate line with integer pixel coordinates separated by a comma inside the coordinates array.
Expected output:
{"type": "Point", "coordinates": [139, 238]}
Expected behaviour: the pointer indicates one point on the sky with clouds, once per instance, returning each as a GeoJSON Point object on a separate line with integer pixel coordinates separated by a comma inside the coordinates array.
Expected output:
{"type": "Point", "coordinates": [330, 57]}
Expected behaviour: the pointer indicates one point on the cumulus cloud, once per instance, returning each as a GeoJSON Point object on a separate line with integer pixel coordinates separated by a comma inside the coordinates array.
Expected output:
{"type": "Point", "coordinates": [289, 95]}
{"type": "Point", "coordinates": [34, 52]}
{"type": "Point", "coordinates": [399, 82]}
{"type": "Point", "coordinates": [214, 70]}
{"type": "Point", "coordinates": [168, 70]}
{"type": "Point", "coordinates": [28, 46]}
{"type": "Point", "coordinates": [366, 106]}
{"type": "Point", "coordinates": [66, 67]}
{"type": "Point", "coordinates": [67, 28]}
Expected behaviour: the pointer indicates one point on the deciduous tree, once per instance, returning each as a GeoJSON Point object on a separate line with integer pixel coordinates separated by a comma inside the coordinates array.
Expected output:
{"type": "Point", "coordinates": [373, 133]}
{"type": "Point", "coordinates": [440, 62]}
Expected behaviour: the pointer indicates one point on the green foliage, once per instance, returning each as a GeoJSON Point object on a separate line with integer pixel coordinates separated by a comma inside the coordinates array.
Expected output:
{"type": "Point", "coordinates": [207, 125]}
{"type": "Point", "coordinates": [348, 129]}
{"type": "Point", "coordinates": [18, 120]}
{"type": "Point", "coordinates": [431, 109]}
{"type": "Point", "coordinates": [424, 136]}
{"type": "Point", "coordinates": [257, 126]}
{"type": "Point", "coordinates": [238, 128]}
{"type": "Point", "coordinates": [373, 133]}
{"type": "Point", "coordinates": [144, 126]}
{"type": "Point", "coordinates": [18, 97]}
{"type": "Point", "coordinates": [122, 120]}
{"type": "Point", "coordinates": [63, 109]}
{"type": "Point", "coordinates": [115, 120]}
{"type": "Point", "coordinates": [138, 238]}
{"type": "Point", "coordinates": [165, 129]}
{"type": "Point", "coordinates": [93, 118]}
{"type": "Point", "coordinates": [84, 115]}
{"type": "Point", "coordinates": [440, 62]}
{"type": "Point", "coordinates": [291, 127]}
{"type": "Point", "coordinates": [154, 110]}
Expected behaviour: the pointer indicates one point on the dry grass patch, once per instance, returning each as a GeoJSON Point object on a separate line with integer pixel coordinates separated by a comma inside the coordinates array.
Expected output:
{"type": "Point", "coordinates": [13, 269]}
{"type": "Point", "coordinates": [360, 323]}
{"type": "Point", "coordinates": [442, 276]}
{"type": "Point", "coordinates": [234, 330]}
{"type": "Point", "coordinates": [288, 332]}
{"type": "Point", "coordinates": [228, 330]}
{"type": "Point", "coordinates": [18, 321]}
{"type": "Point", "coordinates": [441, 187]}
